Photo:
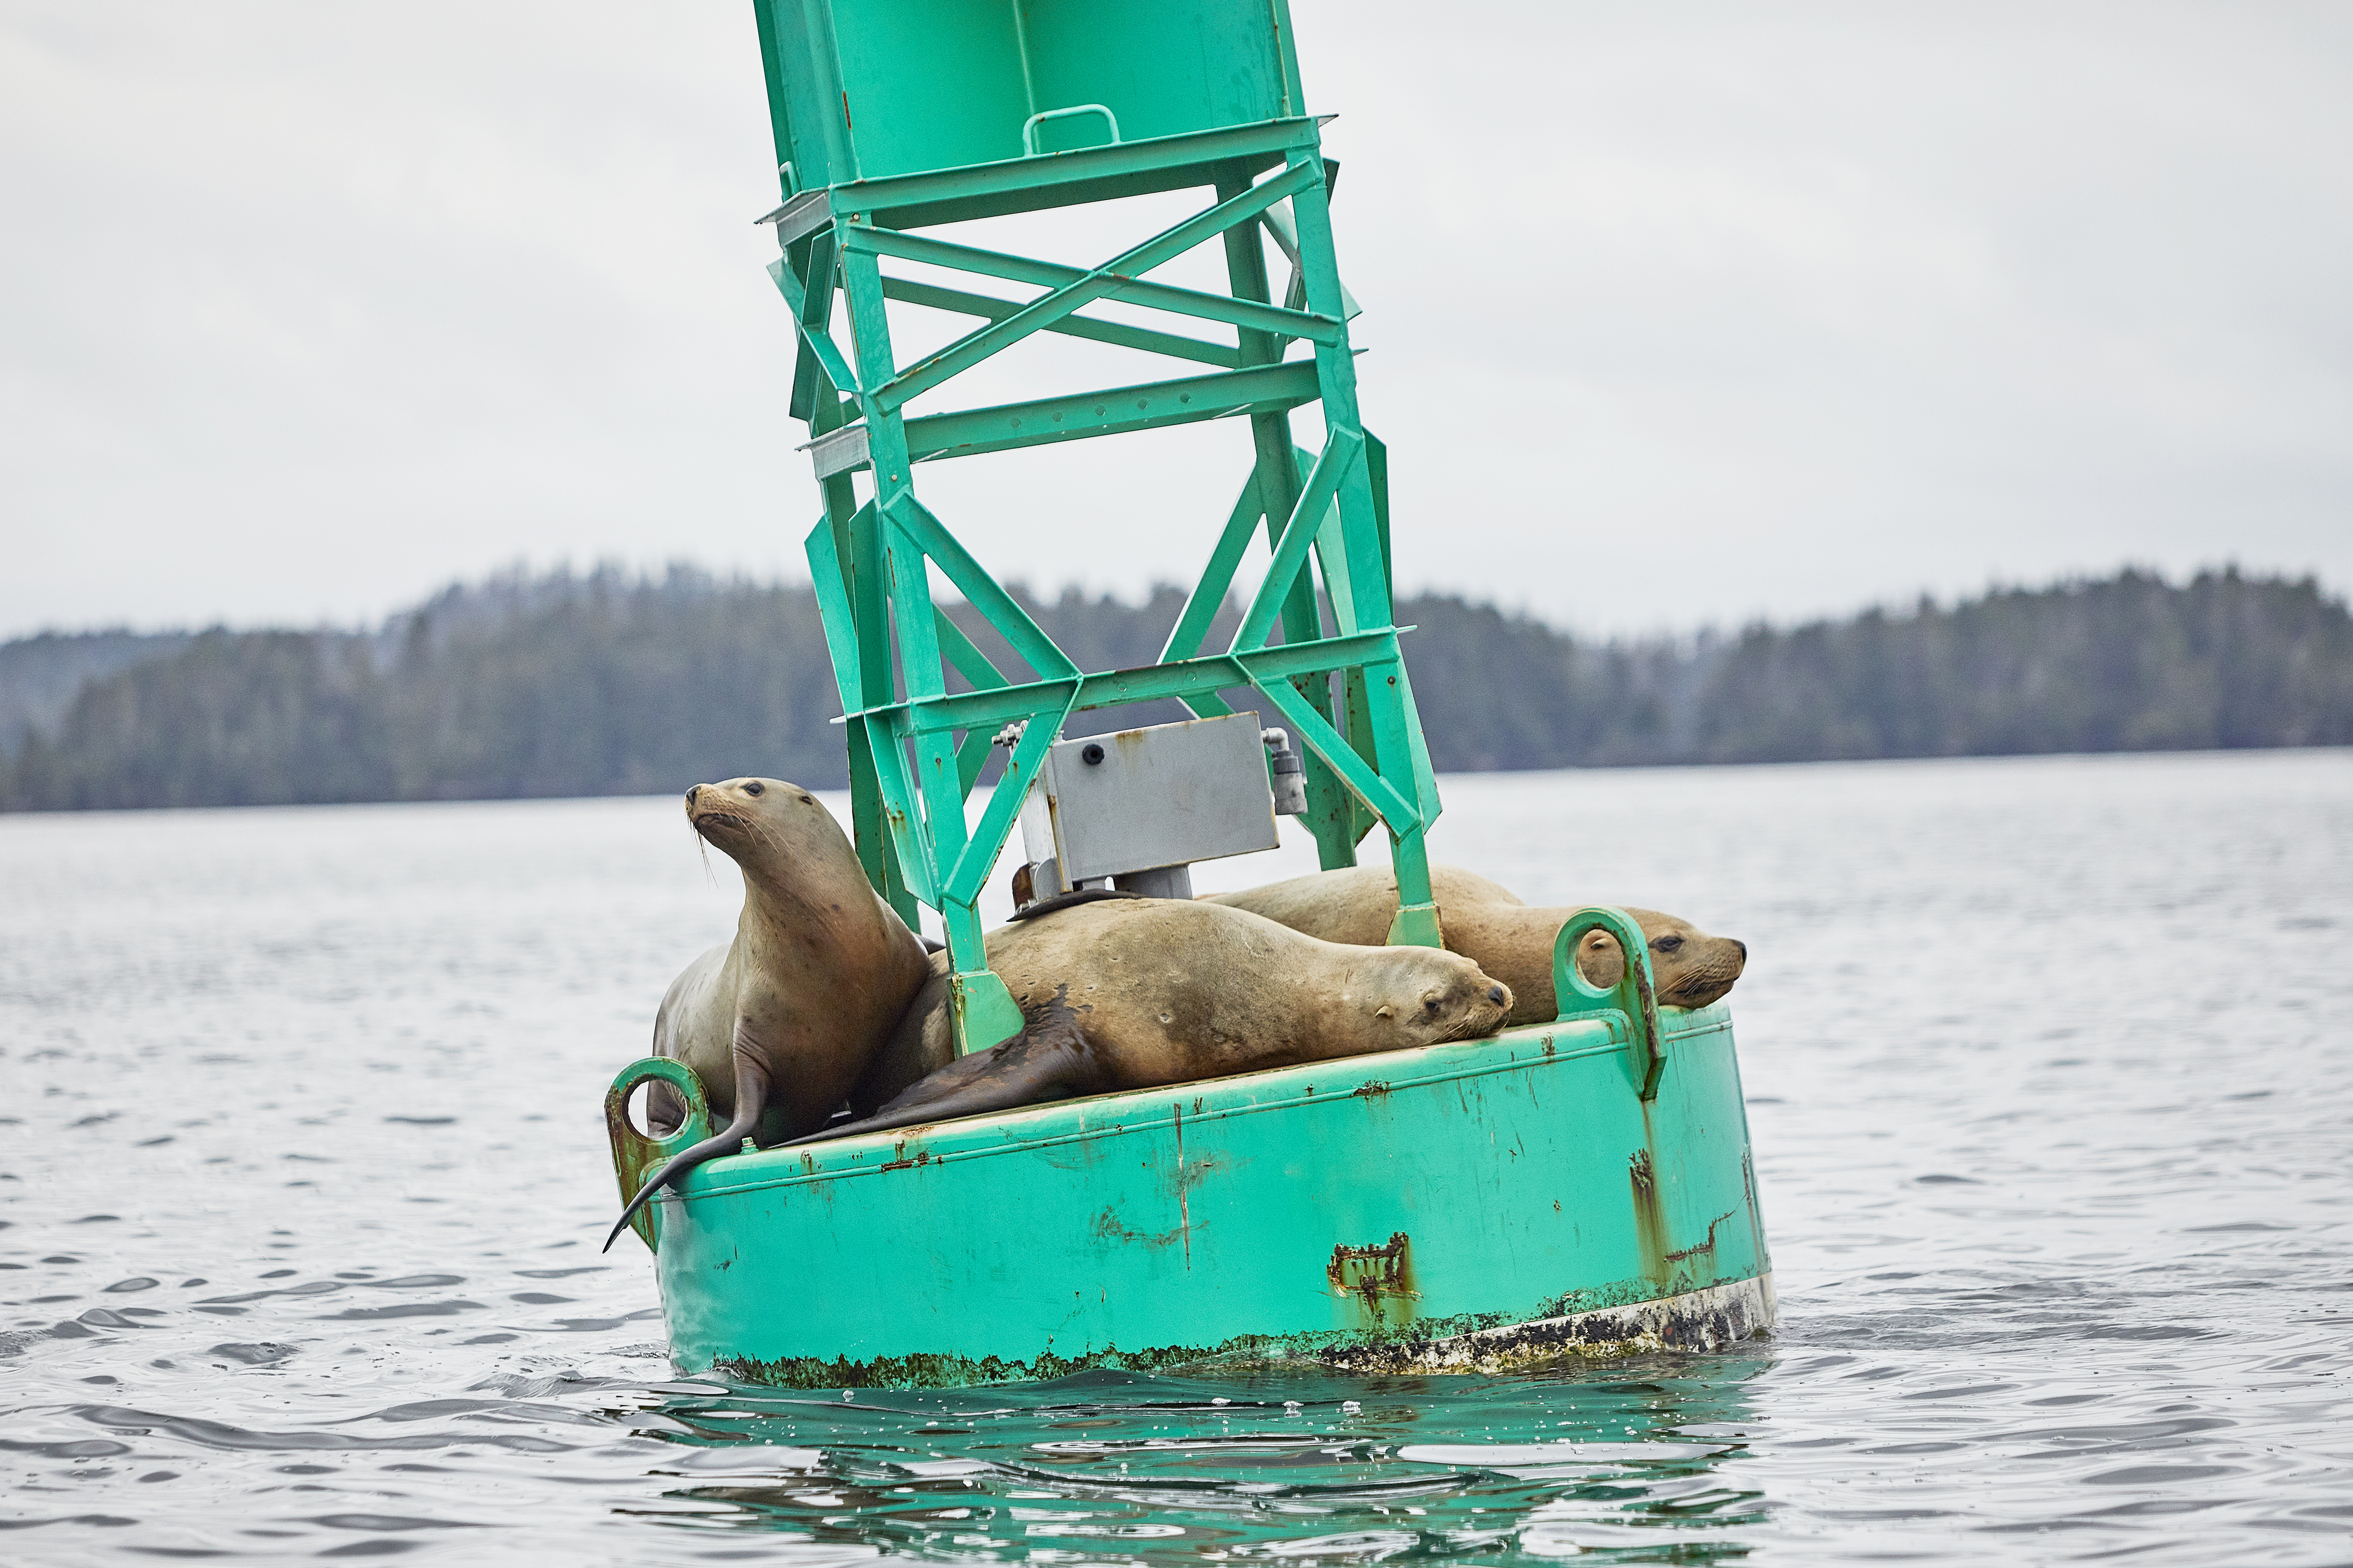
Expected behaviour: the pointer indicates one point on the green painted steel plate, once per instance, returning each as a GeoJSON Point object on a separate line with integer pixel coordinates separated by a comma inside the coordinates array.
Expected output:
{"type": "Point", "coordinates": [862, 89]}
{"type": "Point", "coordinates": [1472, 1204]}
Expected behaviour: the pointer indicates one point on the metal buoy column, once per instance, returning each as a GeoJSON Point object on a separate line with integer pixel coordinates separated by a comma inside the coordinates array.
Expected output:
{"type": "Point", "coordinates": [895, 116]}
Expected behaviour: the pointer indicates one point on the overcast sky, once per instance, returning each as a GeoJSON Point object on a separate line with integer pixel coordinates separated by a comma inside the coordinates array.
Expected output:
{"type": "Point", "coordinates": [1675, 314]}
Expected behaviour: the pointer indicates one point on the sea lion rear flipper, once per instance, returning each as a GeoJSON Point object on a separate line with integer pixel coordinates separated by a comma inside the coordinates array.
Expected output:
{"type": "Point", "coordinates": [1053, 1061]}
{"type": "Point", "coordinates": [751, 1099]}
{"type": "Point", "coordinates": [950, 1080]}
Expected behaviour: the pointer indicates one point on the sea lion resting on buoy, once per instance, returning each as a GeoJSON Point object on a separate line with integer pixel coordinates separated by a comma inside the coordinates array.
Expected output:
{"type": "Point", "coordinates": [779, 1024]}
{"type": "Point", "coordinates": [1488, 924]}
{"type": "Point", "coordinates": [1139, 993]}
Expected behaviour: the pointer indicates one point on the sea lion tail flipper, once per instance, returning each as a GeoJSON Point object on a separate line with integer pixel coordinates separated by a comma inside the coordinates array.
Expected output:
{"type": "Point", "coordinates": [751, 1099]}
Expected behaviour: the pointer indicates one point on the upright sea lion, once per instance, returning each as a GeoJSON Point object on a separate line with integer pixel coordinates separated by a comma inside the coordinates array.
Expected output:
{"type": "Point", "coordinates": [1488, 924]}
{"type": "Point", "coordinates": [1137, 993]}
{"type": "Point", "coordinates": [780, 1023]}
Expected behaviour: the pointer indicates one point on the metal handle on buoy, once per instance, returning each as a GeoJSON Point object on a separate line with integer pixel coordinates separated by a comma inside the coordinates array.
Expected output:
{"type": "Point", "coordinates": [636, 1155]}
{"type": "Point", "coordinates": [1030, 126]}
{"type": "Point", "coordinates": [1631, 1004]}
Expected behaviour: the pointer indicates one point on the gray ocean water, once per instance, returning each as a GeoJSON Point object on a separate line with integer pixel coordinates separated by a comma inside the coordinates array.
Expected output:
{"type": "Point", "coordinates": [2051, 1071]}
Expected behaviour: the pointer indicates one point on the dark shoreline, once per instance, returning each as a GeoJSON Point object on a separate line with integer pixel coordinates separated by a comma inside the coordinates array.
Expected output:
{"type": "Point", "coordinates": [570, 685]}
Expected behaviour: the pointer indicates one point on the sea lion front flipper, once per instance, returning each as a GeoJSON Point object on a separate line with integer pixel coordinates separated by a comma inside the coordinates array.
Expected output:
{"type": "Point", "coordinates": [1050, 1061]}
{"type": "Point", "coordinates": [751, 1099]}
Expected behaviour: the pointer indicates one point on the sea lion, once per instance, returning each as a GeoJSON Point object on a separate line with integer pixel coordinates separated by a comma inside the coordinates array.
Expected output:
{"type": "Point", "coordinates": [780, 1023]}
{"type": "Point", "coordinates": [1487, 923]}
{"type": "Point", "coordinates": [1138, 993]}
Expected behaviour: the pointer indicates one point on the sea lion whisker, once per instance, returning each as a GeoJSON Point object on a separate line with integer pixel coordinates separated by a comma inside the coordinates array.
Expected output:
{"type": "Point", "coordinates": [711, 819]}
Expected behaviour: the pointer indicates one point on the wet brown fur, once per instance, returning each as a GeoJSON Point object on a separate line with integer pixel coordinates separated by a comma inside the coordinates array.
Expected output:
{"type": "Point", "coordinates": [1511, 941]}
{"type": "Point", "coordinates": [1136, 993]}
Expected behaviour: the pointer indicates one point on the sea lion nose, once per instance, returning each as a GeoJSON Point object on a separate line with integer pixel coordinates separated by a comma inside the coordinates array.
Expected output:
{"type": "Point", "coordinates": [1495, 994]}
{"type": "Point", "coordinates": [1743, 947]}
{"type": "Point", "coordinates": [692, 790]}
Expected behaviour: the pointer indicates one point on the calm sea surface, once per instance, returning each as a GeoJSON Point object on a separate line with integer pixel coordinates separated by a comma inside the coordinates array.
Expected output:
{"type": "Point", "coordinates": [302, 1174]}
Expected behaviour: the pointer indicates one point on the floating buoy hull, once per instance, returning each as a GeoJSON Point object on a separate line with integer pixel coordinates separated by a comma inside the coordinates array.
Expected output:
{"type": "Point", "coordinates": [1475, 1206]}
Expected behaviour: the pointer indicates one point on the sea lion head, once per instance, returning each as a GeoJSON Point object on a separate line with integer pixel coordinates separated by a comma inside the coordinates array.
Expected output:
{"type": "Point", "coordinates": [764, 823]}
{"type": "Point", "coordinates": [1424, 996]}
{"type": "Point", "coordinates": [1690, 968]}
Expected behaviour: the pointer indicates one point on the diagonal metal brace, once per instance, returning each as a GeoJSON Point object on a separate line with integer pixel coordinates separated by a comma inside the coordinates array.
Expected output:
{"type": "Point", "coordinates": [974, 347]}
{"type": "Point", "coordinates": [1341, 453]}
{"type": "Point", "coordinates": [814, 333]}
{"type": "Point", "coordinates": [928, 534]}
{"type": "Point", "coordinates": [1118, 333]}
{"type": "Point", "coordinates": [1233, 310]}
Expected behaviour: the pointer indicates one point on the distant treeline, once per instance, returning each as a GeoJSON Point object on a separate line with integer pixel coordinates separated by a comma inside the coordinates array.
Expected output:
{"type": "Point", "coordinates": [609, 684]}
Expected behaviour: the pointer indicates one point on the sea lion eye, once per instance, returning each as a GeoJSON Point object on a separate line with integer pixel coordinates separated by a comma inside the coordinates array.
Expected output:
{"type": "Point", "coordinates": [755, 788]}
{"type": "Point", "coordinates": [1430, 1004]}
{"type": "Point", "coordinates": [1668, 943]}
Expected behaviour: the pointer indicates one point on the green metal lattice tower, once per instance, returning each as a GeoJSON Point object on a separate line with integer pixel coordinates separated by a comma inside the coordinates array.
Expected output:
{"type": "Point", "coordinates": [895, 116]}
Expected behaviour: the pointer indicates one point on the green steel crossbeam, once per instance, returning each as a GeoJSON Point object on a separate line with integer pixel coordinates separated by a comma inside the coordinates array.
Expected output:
{"type": "Point", "coordinates": [1116, 333]}
{"type": "Point", "coordinates": [1165, 246]}
{"type": "Point", "coordinates": [1115, 410]}
{"type": "Point", "coordinates": [1250, 314]}
{"type": "Point", "coordinates": [995, 707]}
{"type": "Point", "coordinates": [1267, 671]}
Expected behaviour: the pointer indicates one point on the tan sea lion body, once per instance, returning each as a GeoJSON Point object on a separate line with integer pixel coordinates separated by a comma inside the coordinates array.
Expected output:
{"type": "Point", "coordinates": [1488, 924]}
{"type": "Point", "coordinates": [1138, 993]}
{"type": "Point", "coordinates": [779, 1024]}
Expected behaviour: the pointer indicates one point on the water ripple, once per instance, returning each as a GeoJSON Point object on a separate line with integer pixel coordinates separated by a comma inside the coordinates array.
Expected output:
{"type": "Point", "coordinates": [2049, 1066]}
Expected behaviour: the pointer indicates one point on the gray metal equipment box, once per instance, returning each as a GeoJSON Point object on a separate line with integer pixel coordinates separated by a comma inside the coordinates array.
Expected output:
{"type": "Point", "coordinates": [1107, 806]}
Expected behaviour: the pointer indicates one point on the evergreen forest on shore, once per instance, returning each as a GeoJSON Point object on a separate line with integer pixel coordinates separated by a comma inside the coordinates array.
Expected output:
{"type": "Point", "coordinates": [609, 683]}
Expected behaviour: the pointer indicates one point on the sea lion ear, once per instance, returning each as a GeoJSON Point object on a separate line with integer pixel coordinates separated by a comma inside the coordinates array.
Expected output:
{"type": "Point", "coordinates": [1383, 1011]}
